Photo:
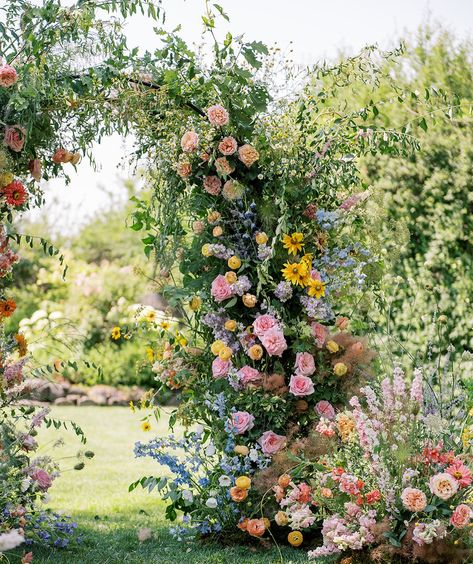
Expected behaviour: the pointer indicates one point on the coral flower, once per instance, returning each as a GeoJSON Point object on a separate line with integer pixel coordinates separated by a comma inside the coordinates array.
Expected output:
{"type": "Point", "coordinates": [7, 307]}
{"type": "Point", "coordinates": [293, 243]}
{"type": "Point", "coordinates": [461, 473]}
{"type": "Point", "coordinates": [413, 499]}
{"type": "Point", "coordinates": [15, 193]}
{"type": "Point", "coordinates": [238, 494]}
{"type": "Point", "coordinates": [22, 344]}
{"type": "Point", "coordinates": [296, 272]}
{"type": "Point", "coordinates": [256, 527]}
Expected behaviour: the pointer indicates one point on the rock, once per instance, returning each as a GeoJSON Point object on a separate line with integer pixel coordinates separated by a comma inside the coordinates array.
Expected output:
{"type": "Point", "coordinates": [98, 399]}
{"type": "Point", "coordinates": [64, 401]}
{"type": "Point", "coordinates": [77, 390]}
{"type": "Point", "coordinates": [55, 391]}
{"type": "Point", "coordinates": [103, 390]}
{"type": "Point", "coordinates": [135, 394]}
{"type": "Point", "coordinates": [119, 398]}
{"type": "Point", "coordinates": [39, 389]}
{"type": "Point", "coordinates": [85, 400]}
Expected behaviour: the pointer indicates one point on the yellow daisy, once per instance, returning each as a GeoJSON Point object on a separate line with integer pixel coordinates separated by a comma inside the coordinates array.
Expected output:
{"type": "Point", "coordinates": [146, 426]}
{"type": "Point", "coordinates": [293, 243]}
{"type": "Point", "coordinates": [296, 272]}
{"type": "Point", "coordinates": [116, 333]}
{"type": "Point", "coordinates": [316, 288]}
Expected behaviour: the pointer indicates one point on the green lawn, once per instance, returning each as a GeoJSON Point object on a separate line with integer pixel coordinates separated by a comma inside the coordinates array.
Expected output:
{"type": "Point", "coordinates": [98, 499]}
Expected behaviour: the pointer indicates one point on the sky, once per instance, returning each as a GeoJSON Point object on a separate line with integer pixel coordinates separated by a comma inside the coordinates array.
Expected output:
{"type": "Point", "coordinates": [313, 29]}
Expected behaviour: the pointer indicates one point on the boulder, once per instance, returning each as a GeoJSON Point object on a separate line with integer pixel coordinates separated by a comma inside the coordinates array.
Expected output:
{"type": "Point", "coordinates": [119, 398]}
{"type": "Point", "coordinates": [77, 390]}
{"type": "Point", "coordinates": [85, 400]}
{"type": "Point", "coordinates": [64, 401]}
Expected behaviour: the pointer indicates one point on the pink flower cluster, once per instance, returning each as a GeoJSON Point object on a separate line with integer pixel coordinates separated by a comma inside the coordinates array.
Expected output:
{"type": "Point", "coordinates": [7, 257]}
{"type": "Point", "coordinates": [266, 327]}
{"type": "Point", "coordinates": [301, 384]}
{"type": "Point", "coordinates": [8, 76]}
{"type": "Point", "coordinates": [15, 137]}
{"type": "Point", "coordinates": [271, 443]}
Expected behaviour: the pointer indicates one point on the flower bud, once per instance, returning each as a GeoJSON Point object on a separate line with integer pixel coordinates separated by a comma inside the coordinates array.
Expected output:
{"type": "Point", "coordinates": [249, 300]}
{"type": "Point", "coordinates": [340, 369]}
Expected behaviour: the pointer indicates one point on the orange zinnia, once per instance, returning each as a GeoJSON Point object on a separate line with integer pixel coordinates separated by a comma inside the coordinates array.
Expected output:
{"type": "Point", "coordinates": [7, 307]}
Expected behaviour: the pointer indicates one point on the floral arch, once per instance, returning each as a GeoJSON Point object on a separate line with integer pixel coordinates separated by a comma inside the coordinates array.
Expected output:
{"type": "Point", "coordinates": [257, 223]}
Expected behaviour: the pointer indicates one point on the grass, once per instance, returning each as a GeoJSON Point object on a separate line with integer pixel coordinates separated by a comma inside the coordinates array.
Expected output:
{"type": "Point", "coordinates": [109, 517]}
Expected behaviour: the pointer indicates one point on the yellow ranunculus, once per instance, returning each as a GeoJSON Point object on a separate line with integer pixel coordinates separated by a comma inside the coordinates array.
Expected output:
{"type": "Point", "coordinates": [230, 325]}
{"type": "Point", "coordinates": [340, 369]}
{"type": "Point", "coordinates": [206, 250]}
{"type": "Point", "coordinates": [261, 238]}
{"type": "Point", "coordinates": [255, 352]}
{"type": "Point", "coordinates": [243, 482]}
{"type": "Point", "coordinates": [332, 346]}
{"type": "Point", "coordinates": [249, 300]}
{"type": "Point", "coordinates": [217, 346]}
{"type": "Point", "coordinates": [217, 231]}
{"type": "Point", "coordinates": [295, 538]}
{"type": "Point", "coordinates": [225, 353]}
{"type": "Point", "coordinates": [243, 450]}
{"type": "Point", "coordinates": [230, 277]}
{"type": "Point", "coordinates": [234, 262]}
{"type": "Point", "coordinates": [196, 303]}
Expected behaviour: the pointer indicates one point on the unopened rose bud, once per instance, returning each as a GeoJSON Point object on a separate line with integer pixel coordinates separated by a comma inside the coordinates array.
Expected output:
{"type": "Point", "coordinates": [249, 300]}
{"type": "Point", "coordinates": [217, 231]}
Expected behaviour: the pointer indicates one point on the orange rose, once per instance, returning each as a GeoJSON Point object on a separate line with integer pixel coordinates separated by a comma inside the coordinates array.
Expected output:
{"type": "Point", "coordinates": [238, 494]}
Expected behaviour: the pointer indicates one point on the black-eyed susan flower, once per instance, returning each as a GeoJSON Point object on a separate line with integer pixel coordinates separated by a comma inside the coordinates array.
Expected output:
{"type": "Point", "coordinates": [296, 272]}
{"type": "Point", "coordinates": [293, 243]}
{"type": "Point", "coordinates": [116, 333]}
{"type": "Point", "coordinates": [146, 426]}
{"type": "Point", "coordinates": [316, 288]}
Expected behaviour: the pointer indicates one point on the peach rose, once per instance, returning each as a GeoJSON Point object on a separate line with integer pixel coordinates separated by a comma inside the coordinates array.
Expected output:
{"type": "Point", "coordinates": [271, 443]}
{"type": "Point", "coordinates": [305, 364]}
{"type": "Point", "coordinates": [15, 137]}
{"type": "Point", "coordinates": [8, 76]}
{"type": "Point", "coordinates": [320, 333]}
{"type": "Point", "coordinates": [326, 492]}
{"type": "Point", "coordinates": [413, 499]}
{"type": "Point", "coordinates": [227, 146]}
{"type": "Point", "coordinates": [248, 375]}
{"type": "Point", "coordinates": [220, 367]}
{"type": "Point", "coordinates": [301, 385]}
{"type": "Point", "coordinates": [221, 289]}
{"type": "Point", "coordinates": [342, 323]}
{"type": "Point", "coordinates": [189, 141]}
{"type": "Point", "coordinates": [60, 156]}
{"type": "Point", "coordinates": [443, 485]}
{"type": "Point", "coordinates": [184, 169]}
{"type": "Point", "coordinates": [212, 185]}
{"type": "Point", "coordinates": [198, 227]}
{"type": "Point", "coordinates": [284, 480]}
{"type": "Point", "coordinates": [223, 166]}
{"type": "Point", "coordinates": [233, 190]}
{"type": "Point", "coordinates": [264, 323]}
{"type": "Point", "coordinates": [461, 517]}
{"type": "Point", "coordinates": [256, 527]}
{"type": "Point", "coordinates": [218, 115]}
{"type": "Point", "coordinates": [279, 493]}
{"type": "Point", "coordinates": [248, 155]}
{"type": "Point", "coordinates": [242, 421]}
{"type": "Point", "coordinates": [274, 342]}
{"type": "Point", "coordinates": [238, 494]}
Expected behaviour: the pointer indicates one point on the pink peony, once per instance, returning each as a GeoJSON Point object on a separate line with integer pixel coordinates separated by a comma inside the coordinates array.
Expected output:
{"type": "Point", "coordinates": [460, 472]}
{"type": "Point", "coordinates": [301, 385]}
{"type": "Point", "coordinates": [305, 364]}
{"type": "Point", "coordinates": [325, 409]}
{"type": "Point", "coordinates": [413, 499]}
{"type": "Point", "coordinates": [248, 155]}
{"type": "Point", "coordinates": [221, 289]}
{"type": "Point", "coordinates": [15, 137]}
{"type": "Point", "coordinates": [461, 517]}
{"type": "Point", "coordinates": [218, 115]}
{"type": "Point", "coordinates": [189, 141]}
{"type": "Point", "coordinates": [220, 367]}
{"type": "Point", "coordinates": [320, 333]}
{"type": "Point", "coordinates": [34, 167]}
{"type": "Point", "coordinates": [227, 146]}
{"type": "Point", "coordinates": [248, 375]}
{"type": "Point", "coordinates": [213, 185]}
{"type": "Point", "coordinates": [242, 421]}
{"type": "Point", "coordinates": [274, 342]}
{"type": "Point", "coordinates": [8, 76]}
{"type": "Point", "coordinates": [271, 443]}
{"type": "Point", "coordinates": [443, 485]}
{"type": "Point", "coordinates": [263, 323]}
{"type": "Point", "coordinates": [42, 478]}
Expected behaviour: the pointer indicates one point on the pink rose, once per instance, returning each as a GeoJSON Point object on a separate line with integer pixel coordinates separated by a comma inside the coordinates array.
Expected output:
{"type": "Point", "coordinates": [274, 342]}
{"type": "Point", "coordinates": [263, 323]}
{"type": "Point", "coordinates": [184, 169]}
{"type": "Point", "coordinates": [220, 367]}
{"type": "Point", "coordinates": [271, 443]}
{"type": "Point", "coordinates": [248, 155]}
{"type": "Point", "coordinates": [221, 289]}
{"type": "Point", "coordinates": [413, 499]}
{"type": "Point", "coordinates": [223, 166]}
{"type": "Point", "coordinates": [248, 375]}
{"type": "Point", "coordinates": [218, 115]}
{"type": "Point", "coordinates": [305, 364]}
{"type": "Point", "coordinates": [34, 167]}
{"type": "Point", "coordinates": [212, 185]}
{"type": "Point", "coordinates": [189, 141]}
{"type": "Point", "coordinates": [227, 146]}
{"type": "Point", "coordinates": [325, 409]}
{"type": "Point", "coordinates": [242, 421]}
{"type": "Point", "coordinates": [461, 517]}
{"type": "Point", "coordinates": [42, 478]}
{"type": "Point", "coordinates": [8, 76]}
{"type": "Point", "coordinates": [320, 333]}
{"type": "Point", "coordinates": [301, 385]}
{"type": "Point", "coordinates": [15, 137]}
{"type": "Point", "coordinates": [443, 485]}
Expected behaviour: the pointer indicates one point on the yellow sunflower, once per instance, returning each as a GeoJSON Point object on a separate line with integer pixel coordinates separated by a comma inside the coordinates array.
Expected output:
{"type": "Point", "coordinates": [116, 333]}
{"type": "Point", "coordinates": [293, 243]}
{"type": "Point", "coordinates": [296, 272]}
{"type": "Point", "coordinates": [316, 288]}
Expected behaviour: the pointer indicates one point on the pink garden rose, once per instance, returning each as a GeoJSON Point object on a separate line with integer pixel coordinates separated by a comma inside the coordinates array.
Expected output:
{"type": "Point", "coordinates": [34, 167]}
{"type": "Point", "coordinates": [413, 499]}
{"type": "Point", "coordinates": [248, 375]}
{"type": "Point", "coordinates": [461, 517]}
{"type": "Point", "coordinates": [220, 367]}
{"type": "Point", "coordinates": [184, 169]}
{"type": "Point", "coordinates": [263, 323]}
{"type": "Point", "coordinates": [221, 289]}
{"type": "Point", "coordinates": [274, 342]}
{"type": "Point", "coordinates": [218, 115]}
{"type": "Point", "coordinates": [242, 421]}
{"type": "Point", "coordinates": [223, 166]}
{"type": "Point", "coordinates": [8, 76]}
{"type": "Point", "coordinates": [212, 185]}
{"type": "Point", "coordinates": [227, 146]}
{"type": "Point", "coordinates": [301, 385]}
{"type": "Point", "coordinates": [324, 408]}
{"type": "Point", "coordinates": [248, 155]}
{"type": "Point", "coordinates": [15, 137]}
{"type": "Point", "coordinates": [271, 443]}
{"type": "Point", "coordinates": [305, 364]}
{"type": "Point", "coordinates": [443, 485]}
{"type": "Point", "coordinates": [320, 333]}
{"type": "Point", "coordinates": [189, 141]}
{"type": "Point", "coordinates": [42, 478]}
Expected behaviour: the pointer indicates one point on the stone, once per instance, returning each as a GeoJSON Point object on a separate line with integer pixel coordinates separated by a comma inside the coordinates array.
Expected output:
{"type": "Point", "coordinates": [77, 390]}
{"type": "Point", "coordinates": [64, 401]}
{"type": "Point", "coordinates": [103, 390]}
{"type": "Point", "coordinates": [55, 391]}
{"type": "Point", "coordinates": [119, 398]}
{"type": "Point", "coordinates": [85, 400]}
{"type": "Point", "coordinates": [39, 389]}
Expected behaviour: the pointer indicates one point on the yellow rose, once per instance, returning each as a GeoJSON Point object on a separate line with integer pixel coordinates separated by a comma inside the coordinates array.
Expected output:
{"type": "Point", "coordinates": [230, 277]}
{"type": "Point", "coordinates": [241, 449]}
{"type": "Point", "coordinates": [255, 352]}
{"type": "Point", "coordinates": [234, 262]}
{"type": "Point", "coordinates": [206, 250]}
{"type": "Point", "coordinates": [225, 353]}
{"type": "Point", "coordinates": [213, 216]}
{"type": "Point", "coordinates": [230, 325]}
{"type": "Point", "coordinates": [332, 346]}
{"type": "Point", "coordinates": [243, 482]}
{"type": "Point", "coordinates": [6, 178]}
{"type": "Point", "coordinates": [217, 346]}
{"type": "Point", "coordinates": [340, 369]}
{"type": "Point", "coordinates": [195, 303]}
{"type": "Point", "coordinates": [217, 231]}
{"type": "Point", "coordinates": [249, 300]}
{"type": "Point", "coordinates": [261, 238]}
